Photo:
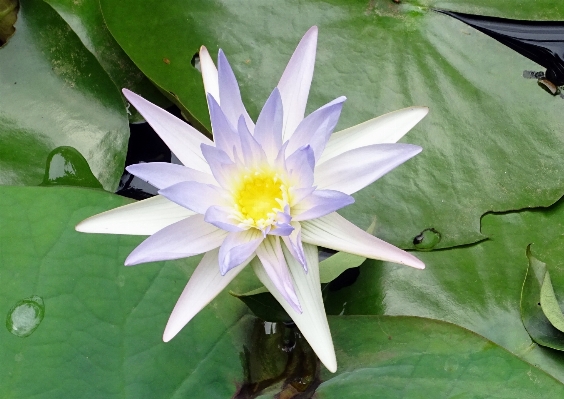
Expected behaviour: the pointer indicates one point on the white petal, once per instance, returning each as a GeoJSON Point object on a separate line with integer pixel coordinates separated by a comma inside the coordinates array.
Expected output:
{"type": "Point", "coordinates": [163, 174]}
{"type": "Point", "coordinates": [209, 73]}
{"type": "Point", "coordinates": [268, 131]}
{"type": "Point", "coordinates": [140, 218]}
{"type": "Point", "coordinates": [294, 244]}
{"type": "Point", "coordinates": [335, 232]}
{"type": "Point", "coordinates": [182, 139]}
{"type": "Point", "coordinates": [204, 285]}
{"type": "Point", "coordinates": [237, 247]}
{"type": "Point", "coordinates": [312, 322]}
{"type": "Point", "coordinates": [272, 259]}
{"type": "Point", "coordinates": [189, 237]}
{"type": "Point", "coordinates": [317, 127]}
{"type": "Point", "coordinates": [296, 80]}
{"type": "Point", "coordinates": [388, 128]}
{"type": "Point", "coordinates": [355, 169]}
{"type": "Point", "coordinates": [224, 135]}
{"type": "Point", "coordinates": [195, 196]}
{"type": "Point", "coordinates": [229, 93]}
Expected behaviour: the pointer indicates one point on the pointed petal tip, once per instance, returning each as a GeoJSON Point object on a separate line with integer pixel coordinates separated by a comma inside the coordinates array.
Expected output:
{"type": "Point", "coordinates": [133, 260]}
{"type": "Point", "coordinates": [413, 262]}
{"type": "Point", "coordinates": [332, 367]}
{"type": "Point", "coordinates": [88, 226]}
{"type": "Point", "coordinates": [169, 334]}
{"type": "Point", "coordinates": [313, 31]}
{"type": "Point", "coordinates": [80, 227]}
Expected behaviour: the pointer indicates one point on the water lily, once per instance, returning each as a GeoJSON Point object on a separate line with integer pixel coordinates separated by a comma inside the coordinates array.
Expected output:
{"type": "Point", "coordinates": [263, 194]}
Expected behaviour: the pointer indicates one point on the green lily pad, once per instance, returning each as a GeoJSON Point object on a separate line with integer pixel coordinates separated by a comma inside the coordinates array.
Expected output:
{"type": "Point", "coordinates": [485, 121]}
{"type": "Point", "coordinates": [540, 306]}
{"type": "Point", "coordinates": [410, 357]}
{"type": "Point", "coordinates": [477, 287]}
{"type": "Point", "coordinates": [85, 18]}
{"type": "Point", "coordinates": [403, 357]}
{"type": "Point", "coordinates": [101, 330]}
{"type": "Point", "coordinates": [54, 93]}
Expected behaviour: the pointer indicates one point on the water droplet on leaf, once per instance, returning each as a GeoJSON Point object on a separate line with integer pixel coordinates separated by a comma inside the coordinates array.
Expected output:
{"type": "Point", "coordinates": [25, 316]}
{"type": "Point", "coordinates": [67, 167]}
{"type": "Point", "coordinates": [427, 239]}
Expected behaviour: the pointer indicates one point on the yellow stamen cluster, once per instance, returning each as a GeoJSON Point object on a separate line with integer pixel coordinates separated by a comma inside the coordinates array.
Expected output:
{"type": "Point", "coordinates": [258, 196]}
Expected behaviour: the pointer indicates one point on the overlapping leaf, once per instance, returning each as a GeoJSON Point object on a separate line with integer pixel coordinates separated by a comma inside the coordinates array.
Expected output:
{"type": "Point", "coordinates": [85, 18]}
{"type": "Point", "coordinates": [409, 357]}
{"type": "Point", "coordinates": [54, 93]}
{"type": "Point", "coordinates": [542, 294]}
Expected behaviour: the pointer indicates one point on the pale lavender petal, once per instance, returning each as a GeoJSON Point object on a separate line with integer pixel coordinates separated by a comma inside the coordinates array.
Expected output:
{"type": "Point", "coordinates": [388, 128]}
{"type": "Point", "coordinates": [300, 167]}
{"type": "Point", "coordinates": [163, 174]}
{"type": "Point", "coordinates": [281, 229]}
{"type": "Point", "coordinates": [312, 322]}
{"type": "Point", "coordinates": [317, 127]}
{"type": "Point", "coordinates": [253, 154]}
{"type": "Point", "coordinates": [219, 217]}
{"type": "Point", "coordinates": [182, 139]}
{"type": "Point", "coordinates": [195, 196]}
{"type": "Point", "coordinates": [189, 237]}
{"type": "Point", "coordinates": [229, 93]}
{"type": "Point", "coordinates": [300, 193]}
{"type": "Point", "coordinates": [238, 248]}
{"type": "Point", "coordinates": [204, 285]}
{"type": "Point", "coordinates": [139, 218]}
{"type": "Point", "coordinates": [296, 80]}
{"type": "Point", "coordinates": [214, 155]}
{"type": "Point", "coordinates": [355, 169]}
{"type": "Point", "coordinates": [280, 161]}
{"type": "Point", "coordinates": [335, 232]}
{"type": "Point", "coordinates": [272, 259]}
{"type": "Point", "coordinates": [268, 131]}
{"type": "Point", "coordinates": [294, 244]}
{"type": "Point", "coordinates": [224, 134]}
{"type": "Point", "coordinates": [209, 73]}
{"type": "Point", "coordinates": [282, 226]}
{"type": "Point", "coordinates": [222, 167]}
{"type": "Point", "coordinates": [320, 203]}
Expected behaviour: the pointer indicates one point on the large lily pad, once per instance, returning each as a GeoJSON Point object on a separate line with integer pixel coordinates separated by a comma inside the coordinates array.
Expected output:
{"type": "Point", "coordinates": [477, 287]}
{"type": "Point", "coordinates": [488, 131]}
{"type": "Point", "coordinates": [409, 357]}
{"type": "Point", "coordinates": [85, 18]}
{"type": "Point", "coordinates": [55, 93]}
{"type": "Point", "coordinates": [100, 336]}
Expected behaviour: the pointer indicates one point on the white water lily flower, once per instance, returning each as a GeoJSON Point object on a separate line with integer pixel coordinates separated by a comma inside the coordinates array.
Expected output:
{"type": "Point", "coordinates": [263, 193]}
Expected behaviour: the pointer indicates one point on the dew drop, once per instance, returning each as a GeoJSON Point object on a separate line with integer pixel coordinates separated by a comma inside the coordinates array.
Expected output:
{"type": "Point", "coordinates": [25, 316]}
{"type": "Point", "coordinates": [67, 167]}
{"type": "Point", "coordinates": [427, 239]}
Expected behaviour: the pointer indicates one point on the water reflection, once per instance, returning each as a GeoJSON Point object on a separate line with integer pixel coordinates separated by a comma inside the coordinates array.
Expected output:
{"type": "Point", "coordinates": [278, 361]}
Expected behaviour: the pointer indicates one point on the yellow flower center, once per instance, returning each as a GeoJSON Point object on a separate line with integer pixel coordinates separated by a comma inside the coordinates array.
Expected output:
{"type": "Point", "coordinates": [259, 195]}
